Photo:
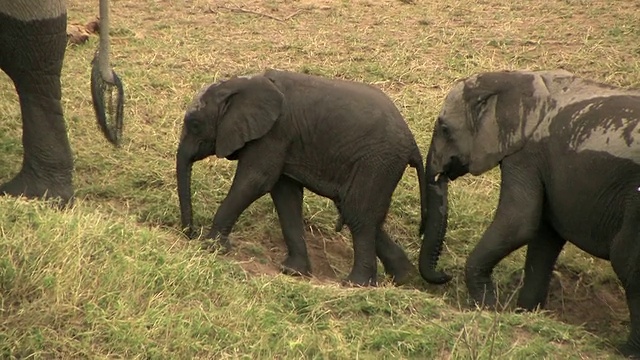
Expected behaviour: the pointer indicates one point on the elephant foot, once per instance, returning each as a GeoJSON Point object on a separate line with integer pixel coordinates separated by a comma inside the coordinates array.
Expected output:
{"type": "Point", "coordinates": [400, 270]}
{"type": "Point", "coordinates": [490, 305]}
{"type": "Point", "coordinates": [217, 242]}
{"type": "Point", "coordinates": [213, 245]}
{"type": "Point", "coordinates": [296, 266]}
{"type": "Point", "coordinates": [629, 351]}
{"type": "Point", "coordinates": [481, 289]}
{"type": "Point", "coordinates": [521, 310]}
{"type": "Point", "coordinates": [360, 280]}
{"type": "Point", "coordinates": [191, 233]}
{"type": "Point", "coordinates": [37, 188]}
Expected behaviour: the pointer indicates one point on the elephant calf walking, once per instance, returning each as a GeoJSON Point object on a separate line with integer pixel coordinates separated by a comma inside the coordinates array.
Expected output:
{"type": "Point", "coordinates": [343, 140]}
{"type": "Point", "coordinates": [569, 154]}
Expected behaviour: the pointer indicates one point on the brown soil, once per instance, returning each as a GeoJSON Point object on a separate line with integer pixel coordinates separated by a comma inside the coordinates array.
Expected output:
{"type": "Point", "coordinates": [79, 33]}
{"type": "Point", "coordinates": [601, 308]}
{"type": "Point", "coordinates": [331, 257]}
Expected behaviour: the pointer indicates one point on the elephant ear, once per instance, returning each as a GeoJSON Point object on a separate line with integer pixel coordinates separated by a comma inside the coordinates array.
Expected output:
{"type": "Point", "coordinates": [250, 107]}
{"type": "Point", "coordinates": [498, 108]}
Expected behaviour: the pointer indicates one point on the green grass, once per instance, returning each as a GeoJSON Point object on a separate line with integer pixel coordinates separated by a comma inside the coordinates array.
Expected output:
{"type": "Point", "coordinates": [113, 278]}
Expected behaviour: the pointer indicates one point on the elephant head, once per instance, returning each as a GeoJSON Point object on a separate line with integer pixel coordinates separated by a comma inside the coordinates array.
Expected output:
{"type": "Point", "coordinates": [222, 118]}
{"type": "Point", "coordinates": [484, 119]}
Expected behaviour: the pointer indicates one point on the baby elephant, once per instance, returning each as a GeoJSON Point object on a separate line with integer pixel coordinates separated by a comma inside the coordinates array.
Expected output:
{"type": "Point", "coordinates": [340, 139]}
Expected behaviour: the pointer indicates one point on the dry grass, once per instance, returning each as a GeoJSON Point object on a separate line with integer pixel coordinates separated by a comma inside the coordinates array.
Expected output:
{"type": "Point", "coordinates": [112, 278]}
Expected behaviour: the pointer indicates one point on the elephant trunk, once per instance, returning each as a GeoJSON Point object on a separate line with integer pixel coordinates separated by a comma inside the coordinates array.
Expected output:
{"type": "Point", "coordinates": [107, 92]}
{"type": "Point", "coordinates": [103, 54]}
{"type": "Point", "coordinates": [184, 165]}
{"type": "Point", "coordinates": [435, 223]}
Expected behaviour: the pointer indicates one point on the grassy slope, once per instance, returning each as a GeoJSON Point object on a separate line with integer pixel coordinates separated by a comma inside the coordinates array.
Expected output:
{"type": "Point", "coordinates": [112, 278]}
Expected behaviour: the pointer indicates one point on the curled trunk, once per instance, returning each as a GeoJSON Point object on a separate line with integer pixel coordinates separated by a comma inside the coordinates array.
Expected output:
{"type": "Point", "coordinates": [435, 226]}
{"type": "Point", "coordinates": [107, 92]}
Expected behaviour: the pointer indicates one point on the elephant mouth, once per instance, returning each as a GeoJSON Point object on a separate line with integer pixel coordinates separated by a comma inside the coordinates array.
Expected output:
{"type": "Point", "coordinates": [455, 168]}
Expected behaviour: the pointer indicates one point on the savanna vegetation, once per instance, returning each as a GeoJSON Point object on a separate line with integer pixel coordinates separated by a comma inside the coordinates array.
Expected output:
{"type": "Point", "coordinates": [112, 277]}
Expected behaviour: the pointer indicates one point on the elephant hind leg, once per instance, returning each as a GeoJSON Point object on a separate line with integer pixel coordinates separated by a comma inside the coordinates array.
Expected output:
{"type": "Point", "coordinates": [287, 197]}
{"type": "Point", "coordinates": [625, 260]}
{"type": "Point", "coordinates": [364, 207]}
{"type": "Point", "coordinates": [364, 270]}
{"type": "Point", "coordinates": [395, 260]}
{"type": "Point", "coordinates": [357, 213]}
{"type": "Point", "coordinates": [542, 252]}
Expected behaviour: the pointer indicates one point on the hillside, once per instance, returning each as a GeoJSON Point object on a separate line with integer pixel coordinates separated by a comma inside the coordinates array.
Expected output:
{"type": "Point", "coordinates": [113, 277]}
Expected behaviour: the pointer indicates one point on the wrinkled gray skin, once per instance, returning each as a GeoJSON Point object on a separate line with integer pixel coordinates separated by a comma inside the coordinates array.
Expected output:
{"type": "Point", "coordinates": [33, 40]}
{"type": "Point", "coordinates": [340, 139]}
{"type": "Point", "coordinates": [569, 154]}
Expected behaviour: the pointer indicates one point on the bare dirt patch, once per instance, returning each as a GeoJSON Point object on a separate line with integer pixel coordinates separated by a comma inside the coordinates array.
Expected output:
{"type": "Point", "coordinates": [575, 298]}
{"type": "Point", "coordinates": [331, 256]}
{"type": "Point", "coordinates": [79, 33]}
{"type": "Point", "coordinates": [601, 308]}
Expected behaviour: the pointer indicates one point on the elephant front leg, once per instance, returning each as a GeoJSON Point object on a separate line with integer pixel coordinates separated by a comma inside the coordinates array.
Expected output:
{"type": "Point", "coordinates": [287, 197]}
{"type": "Point", "coordinates": [249, 184]}
{"type": "Point", "coordinates": [516, 223]}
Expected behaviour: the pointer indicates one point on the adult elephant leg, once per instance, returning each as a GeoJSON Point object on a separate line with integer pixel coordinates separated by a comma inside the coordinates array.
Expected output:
{"type": "Point", "coordinates": [542, 252]}
{"type": "Point", "coordinates": [516, 222]}
{"type": "Point", "coordinates": [31, 53]}
{"type": "Point", "coordinates": [395, 260]}
{"type": "Point", "coordinates": [625, 259]}
{"type": "Point", "coordinates": [287, 197]}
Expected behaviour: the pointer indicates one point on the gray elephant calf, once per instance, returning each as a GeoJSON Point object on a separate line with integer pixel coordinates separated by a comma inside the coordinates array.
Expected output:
{"type": "Point", "coordinates": [340, 139]}
{"type": "Point", "coordinates": [569, 152]}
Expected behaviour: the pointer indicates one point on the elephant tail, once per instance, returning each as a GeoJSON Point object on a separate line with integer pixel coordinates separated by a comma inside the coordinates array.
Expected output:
{"type": "Point", "coordinates": [415, 161]}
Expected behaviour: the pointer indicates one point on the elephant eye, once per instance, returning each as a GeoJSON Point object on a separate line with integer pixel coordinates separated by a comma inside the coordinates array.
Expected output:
{"type": "Point", "coordinates": [482, 103]}
{"type": "Point", "coordinates": [443, 128]}
{"type": "Point", "coordinates": [193, 125]}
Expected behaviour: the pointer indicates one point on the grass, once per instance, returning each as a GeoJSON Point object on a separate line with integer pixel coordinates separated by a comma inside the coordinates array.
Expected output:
{"type": "Point", "coordinates": [112, 278]}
